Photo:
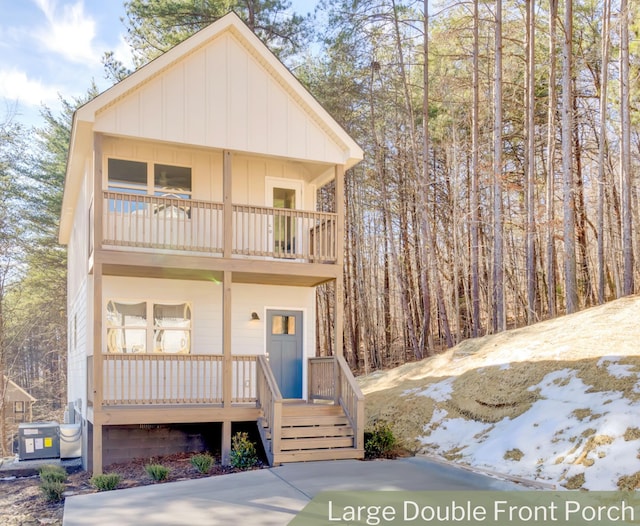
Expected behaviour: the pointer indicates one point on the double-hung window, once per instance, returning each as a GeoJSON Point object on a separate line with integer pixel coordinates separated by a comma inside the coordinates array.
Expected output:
{"type": "Point", "coordinates": [148, 327]}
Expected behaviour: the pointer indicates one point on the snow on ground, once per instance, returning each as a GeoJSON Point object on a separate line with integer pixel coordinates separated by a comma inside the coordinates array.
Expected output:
{"type": "Point", "coordinates": [551, 441]}
{"type": "Point", "coordinates": [581, 431]}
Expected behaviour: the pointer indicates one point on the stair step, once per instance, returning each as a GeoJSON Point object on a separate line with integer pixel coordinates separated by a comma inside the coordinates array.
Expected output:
{"type": "Point", "coordinates": [316, 443]}
{"type": "Point", "coordinates": [317, 431]}
{"type": "Point", "coordinates": [318, 454]}
{"type": "Point", "coordinates": [314, 420]}
{"type": "Point", "coordinates": [311, 409]}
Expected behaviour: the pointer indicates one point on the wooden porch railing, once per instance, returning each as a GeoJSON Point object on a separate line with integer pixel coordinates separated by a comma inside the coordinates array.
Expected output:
{"type": "Point", "coordinates": [351, 399]}
{"type": "Point", "coordinates": [284, 233]}
{"type": "Point", "coordinates": [172, 223]}
{"type": "Point", "coordinates": [162, 222]}
{"type": "Point", "coordinates": [269, 400]}
{"type": "Point", "coordinates": [331, 379]}
{"type": "Point", "coordinates": [154, 379]}
{"type": "Point", "coordinates": [322, 378]}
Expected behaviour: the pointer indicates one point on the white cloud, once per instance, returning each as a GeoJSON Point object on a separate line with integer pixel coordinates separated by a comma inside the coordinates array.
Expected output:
{"type": "Point", "coordinates": [123, 53]}
{"type": "Point", "coordinates": [69, 32]}
{"type": "Point", "coordinates": [15, 85]}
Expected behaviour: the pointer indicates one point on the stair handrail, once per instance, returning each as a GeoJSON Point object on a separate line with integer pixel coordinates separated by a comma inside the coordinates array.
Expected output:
{"type": "Point", "coordinates": [269, 399]}
{"type": "Point", "coordinates": [351, 399]}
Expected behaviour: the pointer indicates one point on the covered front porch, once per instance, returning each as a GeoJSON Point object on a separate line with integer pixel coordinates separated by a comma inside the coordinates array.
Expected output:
{"type": "Point", "coordinates": [327, 423]}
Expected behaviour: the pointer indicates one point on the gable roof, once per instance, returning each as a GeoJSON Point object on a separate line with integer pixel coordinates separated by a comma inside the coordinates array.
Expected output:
{"type": "Point", "coordinates": [220, 88]}
{"type": "Point", "coordinates": [15, 393]}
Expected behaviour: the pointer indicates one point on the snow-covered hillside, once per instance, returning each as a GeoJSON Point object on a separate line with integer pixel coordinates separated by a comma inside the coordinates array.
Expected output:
{"type": "Point", "coordinates": [557, 402]}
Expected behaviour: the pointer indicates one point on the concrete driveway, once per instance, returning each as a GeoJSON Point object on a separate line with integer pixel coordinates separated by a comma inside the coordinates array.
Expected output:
{"type": "Point", "coordinates": [265, 497]}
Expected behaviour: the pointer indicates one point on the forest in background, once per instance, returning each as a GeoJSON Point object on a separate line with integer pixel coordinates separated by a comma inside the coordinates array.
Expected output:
{"type": "Point", "coordinates": [499, 185]}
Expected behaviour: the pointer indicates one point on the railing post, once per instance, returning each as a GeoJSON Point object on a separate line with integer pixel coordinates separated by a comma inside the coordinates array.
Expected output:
{"type": "Point", "coordinates": [227, 199]}
{"type": "Point", "coordinates": [276, 431]}
{"type": "Point", "coordinates": [359, 427]}
{"type": "Point", "coordinates": [337, 381]}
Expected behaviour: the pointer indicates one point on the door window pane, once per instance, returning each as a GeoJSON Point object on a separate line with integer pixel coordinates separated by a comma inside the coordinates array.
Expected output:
{"type": "Point", "coordinates": [283, 325]}
{"type": "Point", "coordinates": [284, 198]}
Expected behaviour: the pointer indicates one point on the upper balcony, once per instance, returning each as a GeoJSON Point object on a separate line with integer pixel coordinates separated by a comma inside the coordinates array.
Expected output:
{"type": "Point", "coordinates": [190, 226]}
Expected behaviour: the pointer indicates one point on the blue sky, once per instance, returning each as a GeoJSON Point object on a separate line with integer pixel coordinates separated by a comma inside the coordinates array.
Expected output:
{"type": "Point", "coordinates": [54, 47]}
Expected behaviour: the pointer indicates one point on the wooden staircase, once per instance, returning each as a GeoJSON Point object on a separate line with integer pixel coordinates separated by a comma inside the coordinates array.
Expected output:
{"type": "Point", "coordinates": [329, 426]}
{"type": "Point", "coordinates": [309, 432]}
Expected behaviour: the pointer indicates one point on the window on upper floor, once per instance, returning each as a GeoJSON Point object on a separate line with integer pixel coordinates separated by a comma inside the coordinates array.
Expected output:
{"type": "Point", "coordinates": [137, 177]}
{"type": "Point", "coordinates": [140, 327]}
{"type": "Point", "coordinates": [172, 181]}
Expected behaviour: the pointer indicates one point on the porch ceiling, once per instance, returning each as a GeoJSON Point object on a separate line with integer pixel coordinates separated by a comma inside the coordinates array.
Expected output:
{"type": "Point", "coordinates": [211, 269]}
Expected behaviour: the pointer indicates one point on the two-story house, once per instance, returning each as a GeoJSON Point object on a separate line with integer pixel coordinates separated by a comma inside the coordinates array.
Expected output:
{"type": "Point", "coordinates": [195, 249]}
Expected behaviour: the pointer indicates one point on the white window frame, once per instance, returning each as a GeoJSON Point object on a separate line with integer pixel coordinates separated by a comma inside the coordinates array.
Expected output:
{"type": "Point", "coordinates": [150, 326]}
{"type": "Point", "coordinates": [150, 186]}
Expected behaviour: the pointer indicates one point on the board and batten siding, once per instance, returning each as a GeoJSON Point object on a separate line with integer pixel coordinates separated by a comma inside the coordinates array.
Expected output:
{"type": "Point", "coordinates": [205, 299]}
{"type": "Point", "coordinates": [222, 95]}
{"type": "Point", "coordinates": [248, 336]}
{"type": "Point", "coordinates": [77, 349]}
{"type": "Point", "coordinates": [248, 172]}
{"type": "Point", "coordinates": [206, 166]}
{"type": "Point", "coordinates": [78, 251]}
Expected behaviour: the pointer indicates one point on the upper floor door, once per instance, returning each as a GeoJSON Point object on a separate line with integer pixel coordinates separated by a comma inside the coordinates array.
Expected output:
{"type": "Point", "coordinates": [284, 237]}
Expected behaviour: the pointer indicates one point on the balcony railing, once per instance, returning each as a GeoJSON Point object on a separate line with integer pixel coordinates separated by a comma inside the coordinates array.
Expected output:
{"type": "Point", "coordinates": [173, 379]}
{"type": "Point", "coordinates": [170, 223]}
{"type": "Point", "coordinates": [144, 221]}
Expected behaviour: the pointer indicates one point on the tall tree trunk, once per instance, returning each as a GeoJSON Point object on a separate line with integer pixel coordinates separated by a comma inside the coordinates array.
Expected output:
{"type": "Point", "coordinates": [530, 164]}
{"type": "Point", "coordinates": [426, 293]}
{"type": "Point", "coordinates": [625, 151]}
{"type": "Point", "coordinates": [386, 302]}
{"type": "Point", "coordinates": [585, 285]}
{"type": "Point", "coordinates": [569, 222]}
{"type": "Point", "coordinates": [602, 147]}
{"type": "Point", "coordinates": [3, 372]}
{"type": "Point", "coordinates": [474, 198]}
{"type": "Point", "coordinates": [551, 150]}
{"type": "Point", "coordinates": [499, 314]}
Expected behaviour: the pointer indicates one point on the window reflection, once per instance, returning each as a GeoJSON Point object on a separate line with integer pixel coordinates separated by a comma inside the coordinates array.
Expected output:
{"type": "Point", "coordinates": [283, 324]}
{"type": "Point", "coordinates": [126, 327]}
{"type": "Point", "coordinates": [129, 330]}
{"type": "Point", "coordinates": [172, 330]}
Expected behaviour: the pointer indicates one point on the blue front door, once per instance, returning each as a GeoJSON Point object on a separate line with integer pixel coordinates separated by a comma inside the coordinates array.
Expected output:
{"type": "Point", "coordinates": [284, 349]}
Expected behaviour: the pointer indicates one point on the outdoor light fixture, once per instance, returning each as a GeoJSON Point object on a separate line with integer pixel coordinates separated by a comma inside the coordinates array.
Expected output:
{"type": "Point", "coordinates": [254, 316]}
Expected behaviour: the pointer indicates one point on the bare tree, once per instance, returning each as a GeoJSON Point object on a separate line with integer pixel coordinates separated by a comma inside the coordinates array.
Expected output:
{"type": "Point", "coordinates": [551, 149]}
{"type": "Point", "coordinates": [602, 145]}
{"type": "Point", "coordinates": [530, 160]}
{"type": "Point", "coordinates": [499, 321]}
{"type": "Point", "coordinates": [625, 150]}
{"type": "Point", "coordinates": [475, 169]}
{"type": "Point", "coordinates": [569, 221]}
